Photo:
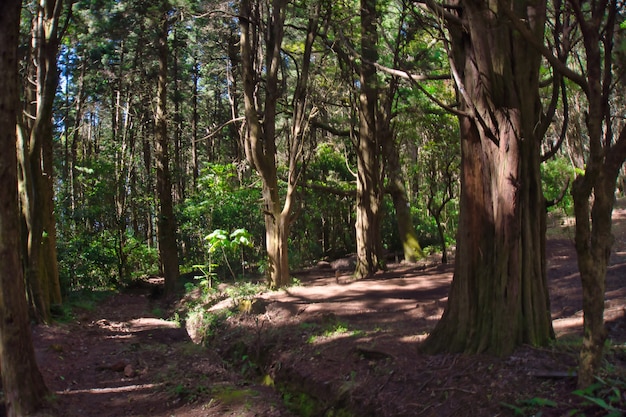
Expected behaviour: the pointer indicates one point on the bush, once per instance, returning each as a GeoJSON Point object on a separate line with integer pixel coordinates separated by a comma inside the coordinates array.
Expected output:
{"type": "Point", "coordinates": [556, 174]}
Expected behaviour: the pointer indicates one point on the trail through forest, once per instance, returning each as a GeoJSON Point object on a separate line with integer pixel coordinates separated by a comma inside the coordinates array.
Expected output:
{"type": "Point", "coordinates": [329, 347]}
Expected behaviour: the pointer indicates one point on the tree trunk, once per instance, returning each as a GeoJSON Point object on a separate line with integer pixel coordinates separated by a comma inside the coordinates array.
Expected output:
{"type": "Point", "coordinates": [498, 299]}
{"type": "Point", "coordinates": [166, 230]}
{"type": "Point", "coordinates": [195, 76]}
{"type": "Point", "coordinates": [594, 191]}
{"type": "Point", "coordinates": [35, 157]}
{"type": "Point", "coordinates": [260, 144]}
{"type": "Point", "coordinates": [369, 180]}
{"type": "Point", "coordinates": [406, 229]}
{"type": "Point", "coordinates": [22, 383]}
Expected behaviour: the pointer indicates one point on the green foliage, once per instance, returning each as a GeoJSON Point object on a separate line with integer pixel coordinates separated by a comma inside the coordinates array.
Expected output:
{"type": "Point", "coordinates": [530, 407]}
{"type": "Point", "coordinates": [607, 394]}
{"type": "Point", "coordinates": [325, 225]}
{"type": "Point", "coordinates": [221, 202]}
{"type": "Point", "coordinates": [227, 246]}
{"type": "Point", "coordinates": [556, 174]}
{"type": "Point", "coordinates": [103, 259]}
{"type": "Point", "coordinates": [230, 395]}
{"type": "Point", "coordinates": [244, 290]}
{"type": "Point", "coordinates": [304, 405]}
{"type": "Point", "coordinates": [79, 301]}
{"type": "Point", "coordinates": [207, 323]}
{"type": "Point", "coordinates": [328, 330]}
{"type": "Point", "coordinates": [300, 403]}
{"type": "Point", "coordinates": [187, 392]}
{"type": "Point", "coordinates": [86, 261]}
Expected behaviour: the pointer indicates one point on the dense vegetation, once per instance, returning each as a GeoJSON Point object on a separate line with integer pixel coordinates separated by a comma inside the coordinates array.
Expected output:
{"type": "Point", "coordinates": [105, 200]}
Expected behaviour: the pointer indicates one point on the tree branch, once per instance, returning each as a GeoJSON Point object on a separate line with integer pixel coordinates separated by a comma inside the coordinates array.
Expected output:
{"type": "Point", "coordinates": [556, 63]}
{"type": "Point", "coordinates": [220, 127]}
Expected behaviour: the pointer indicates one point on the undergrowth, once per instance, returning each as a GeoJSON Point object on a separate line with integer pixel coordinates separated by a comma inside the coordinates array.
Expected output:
{"type": "Point", "coordinates": [606, 396]}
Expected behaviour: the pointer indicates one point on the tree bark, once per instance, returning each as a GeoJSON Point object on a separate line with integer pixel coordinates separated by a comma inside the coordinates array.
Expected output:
{"type": "Point", "coordinates": [498, 299]}
{"type": "Point", "coordinates": [369, 178]}
{"type": "Point", "coordinates": [166, 230]}
{"type": "Point", "coordinates": [22, 383]}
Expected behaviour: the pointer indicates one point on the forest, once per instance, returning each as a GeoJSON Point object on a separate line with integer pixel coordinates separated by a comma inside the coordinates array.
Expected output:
{"type": "Point", "coordinates": [428, 189]}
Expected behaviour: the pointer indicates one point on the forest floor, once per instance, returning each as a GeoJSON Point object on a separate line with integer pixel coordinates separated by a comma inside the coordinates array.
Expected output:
{"type": "Point", "coordinates": [331, 346]}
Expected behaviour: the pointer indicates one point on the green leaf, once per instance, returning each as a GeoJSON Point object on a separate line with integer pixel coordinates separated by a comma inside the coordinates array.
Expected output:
{"type": "Point", "coordinates": [599, 402]}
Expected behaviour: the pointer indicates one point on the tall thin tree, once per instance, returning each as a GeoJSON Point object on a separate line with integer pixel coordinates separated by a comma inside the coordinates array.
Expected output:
{"type": "Point", "coordinates": [369, 151]}
{"type": "Point", "coordinates": [166, 222]}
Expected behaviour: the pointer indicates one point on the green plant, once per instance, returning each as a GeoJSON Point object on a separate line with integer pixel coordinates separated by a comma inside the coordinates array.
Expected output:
{"type": "Point", "coordinates": [188, 393]}
{"type": "Point", "coordinates": [220, 241]}
{"type": "Point", "coordinates": [207, 323]}
{"type": "Point", "coordinates": [299, 403]}
{"type": "Point", "coordinates": [557, 174]}
{"type": "Point", "coordinates": [608, 394]}
{"type": "Point", "coordinates": [530, 406]}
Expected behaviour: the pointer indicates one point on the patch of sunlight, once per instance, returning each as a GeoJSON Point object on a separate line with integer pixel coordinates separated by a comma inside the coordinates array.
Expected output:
{"type": "Point", "coordinates": [110, 390]}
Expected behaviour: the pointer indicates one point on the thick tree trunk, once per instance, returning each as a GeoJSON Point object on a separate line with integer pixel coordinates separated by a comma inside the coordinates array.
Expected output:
{"type": "Point", "coordinates": [369, 180]}
{"type": "Point", "coordinates": [22, 383]}
{"type": "Point", "coordinates": [498, 299]}
{"type": "Point", "coordinates": [166, 230]}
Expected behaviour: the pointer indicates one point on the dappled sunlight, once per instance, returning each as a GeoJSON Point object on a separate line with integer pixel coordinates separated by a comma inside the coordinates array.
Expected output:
{"type": "Point", "coordinates": [568, 326]}
{"type": "Point", "coordinates": [149, 323]}
{"type": "Point", "coordinates": [111, 390]}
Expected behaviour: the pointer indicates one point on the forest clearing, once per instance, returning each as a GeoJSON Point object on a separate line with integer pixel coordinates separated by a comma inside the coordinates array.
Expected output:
{"type": "Point", "coordinates": [331, 346]}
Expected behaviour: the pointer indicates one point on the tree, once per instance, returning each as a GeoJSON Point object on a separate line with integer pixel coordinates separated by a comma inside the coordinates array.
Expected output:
{"type": "Point", "coordinates": [606, 156]}
{"type": "Point", "coordinates": [167, 223]}
{"type": "Point", "coordinates": [22, 383]}
{"type": "Point", "coordinates": [35, 137]}
{"type": "Point", "coordinates": [261, 64]}
{"type": "Point", "coordinates": [369, 150]}
{"type": "Point", "coordinates": [593, 191]}
{"type": "Point", "coordinates": [498, 299]}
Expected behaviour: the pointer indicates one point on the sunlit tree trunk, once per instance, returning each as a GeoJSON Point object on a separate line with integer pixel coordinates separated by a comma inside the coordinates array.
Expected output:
{"type": "Point", "coordinates": [260, 141]}
{"type": "Point", "coordinates": [498, 299]}
{"type": "Point", "coordinates": [166, 229]}
{"type": "Point", "coordinates": [23, 387]}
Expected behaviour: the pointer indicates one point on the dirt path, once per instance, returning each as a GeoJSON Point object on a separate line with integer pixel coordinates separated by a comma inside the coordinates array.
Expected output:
{"type": "Point", "coordinates": [330, 347]}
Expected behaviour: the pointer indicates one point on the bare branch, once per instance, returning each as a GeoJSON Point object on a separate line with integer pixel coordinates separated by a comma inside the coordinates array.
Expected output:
{"type": "Point", "coordinates": [556, 63]}
{"type": "Point", "coordinates": [220, 127]}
